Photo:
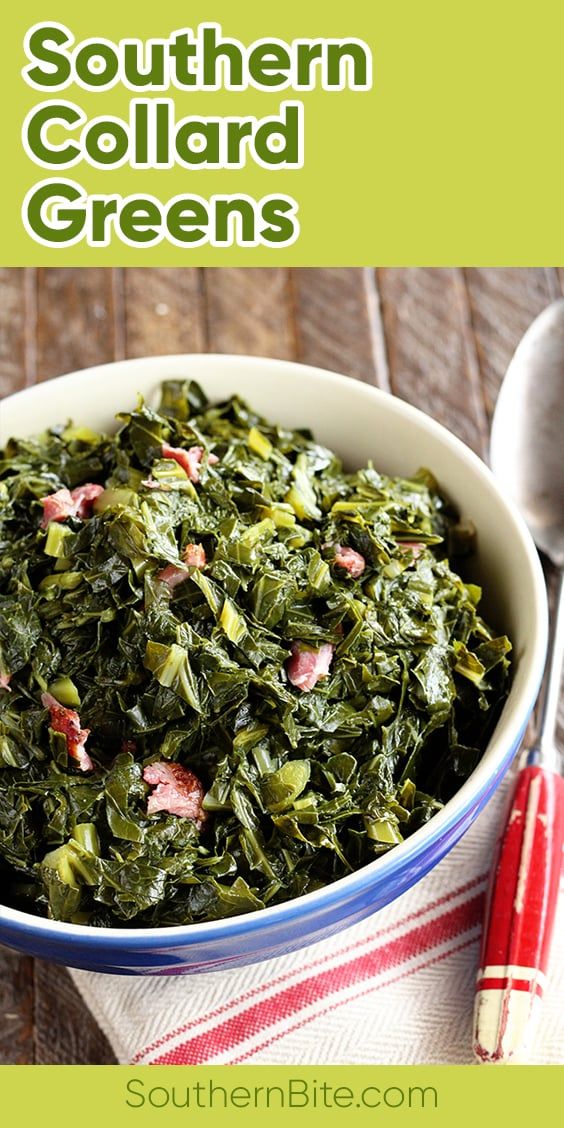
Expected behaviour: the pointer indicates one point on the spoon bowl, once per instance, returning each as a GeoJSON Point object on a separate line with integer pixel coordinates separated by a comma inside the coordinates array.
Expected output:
{"type": "Point", "coordinates": [528, 427]}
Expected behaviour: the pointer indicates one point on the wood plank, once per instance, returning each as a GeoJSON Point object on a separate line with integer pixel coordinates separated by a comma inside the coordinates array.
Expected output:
{"type": "Point", "coordinates": [337, 320]}
{"type": "Point", "coordinates": [66, 1033]}
{"type": "Point", "coordinates": [164, 311]}
{"type": "Point", "coordinates": [13, 344]}
{"type": "Point", "coordinates": [249, 311]}
{"type": "Point", "coordinates": [503, 303]}
{"type": "Point", "coordinates": [75, 328]}
{"type": "Point", "coordinates": [430, 347]}
{"type": "Point", "coordinates": [75, 320]}
{"type": "Point", "coordinates": [16, 1008]}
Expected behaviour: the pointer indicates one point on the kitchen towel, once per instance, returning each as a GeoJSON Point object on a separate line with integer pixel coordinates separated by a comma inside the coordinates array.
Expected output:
{"type": "Point", "coordinates": [395, 989]}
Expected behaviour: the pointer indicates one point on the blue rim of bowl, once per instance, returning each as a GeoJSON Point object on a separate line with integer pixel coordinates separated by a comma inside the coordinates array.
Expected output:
{"type": "Point", "coordinates": [474, 793]}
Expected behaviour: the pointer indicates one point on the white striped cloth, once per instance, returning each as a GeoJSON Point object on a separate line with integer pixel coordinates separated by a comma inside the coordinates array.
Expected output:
{"type": "Point", "coordinates": [396, 989]}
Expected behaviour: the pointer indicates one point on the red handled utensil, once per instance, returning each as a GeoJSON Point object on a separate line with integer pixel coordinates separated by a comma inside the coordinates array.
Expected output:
{"type": "Point", "coordinates": [526, 454]}
{"type": "Point", "coordinates": [520, 917]}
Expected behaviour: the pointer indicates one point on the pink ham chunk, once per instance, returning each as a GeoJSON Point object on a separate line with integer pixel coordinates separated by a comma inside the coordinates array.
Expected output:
{"type": "Point", "coordinates": [176, 790]}
{"type": "Point", "coordinates": [5, 680]}
{"type": "Point", "coordinates": [57, 507]}
{"type": "Point", "coordinates": [189, 459]}
{"type": "Point", "coordinates": [84, 498]}
{"type": "Point", "coordinates": [67, 721]}
{"type": "Point", "coordinates": [306, 667]}
{"type": "Point", "coordinates": [70, 503]}
{"type": "Point", "coordinates": [353, 562]}
{"type": "Point", "coordinates": [194, 556]}
{"type": "Point", "coordinates": [173, 575]}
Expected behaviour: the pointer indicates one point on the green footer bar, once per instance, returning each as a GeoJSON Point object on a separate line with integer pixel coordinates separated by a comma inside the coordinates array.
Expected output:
{"type": "Point", "coordinates": [288, 1096]}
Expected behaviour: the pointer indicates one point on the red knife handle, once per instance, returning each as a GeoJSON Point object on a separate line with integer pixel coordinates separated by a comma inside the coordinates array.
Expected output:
{"type": "Point", "coordinates": [519, 917]}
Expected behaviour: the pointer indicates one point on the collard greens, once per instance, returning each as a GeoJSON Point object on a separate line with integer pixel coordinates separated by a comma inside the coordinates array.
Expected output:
{"type": "Point", "coordinates": [301, 786]}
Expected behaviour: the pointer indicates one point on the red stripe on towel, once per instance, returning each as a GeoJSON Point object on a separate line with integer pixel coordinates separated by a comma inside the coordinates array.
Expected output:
{"type": "Point", "coordinates": [290, 1000]}
{"type": "Point", "coordinates": [278, 980]}
{"type": "Point", "coordinates": [352, 998]}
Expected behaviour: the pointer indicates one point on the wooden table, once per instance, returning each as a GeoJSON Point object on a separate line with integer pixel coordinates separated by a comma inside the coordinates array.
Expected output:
{"type": "Point", "coordinates": [438, 338]}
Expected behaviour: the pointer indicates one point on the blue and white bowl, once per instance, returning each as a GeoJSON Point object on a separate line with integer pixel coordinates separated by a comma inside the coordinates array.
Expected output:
{"type": "Point", "coordinates": [359, 422]}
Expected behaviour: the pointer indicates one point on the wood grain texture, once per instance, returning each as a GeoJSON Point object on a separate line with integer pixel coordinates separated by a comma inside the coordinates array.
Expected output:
{"type": "Point", "coordinates": [431, 350]}
{"type": "Point", "coordinates": [336, 323]}
{"type": "Point", "coordinates": [248, 311]}
{"type": "Point", "coordinates": [164, 311]}
{"type": "Point", "coordinates": [16, 1008]}
{"type": "Point", "coordinates": [75, 320]}
{"type": "Point", "coordinates": [503, 303]}
{"type": "Point", "coordinates": [65, 1032]}
{"type": "Point", "coordinates": [14, 313]}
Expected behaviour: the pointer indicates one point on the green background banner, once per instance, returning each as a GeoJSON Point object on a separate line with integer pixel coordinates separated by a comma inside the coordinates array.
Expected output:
{"type": "Point", "coordinates": [453, 155]}
{"type": "Point", "coordinates": [361, 1096]}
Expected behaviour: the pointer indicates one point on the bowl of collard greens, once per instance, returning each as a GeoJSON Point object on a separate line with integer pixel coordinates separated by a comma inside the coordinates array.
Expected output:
{"type": "Point", "coordinates": [257, 671]}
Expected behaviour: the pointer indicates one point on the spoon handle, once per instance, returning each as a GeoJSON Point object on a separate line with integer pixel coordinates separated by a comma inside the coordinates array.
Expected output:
{"type": "Point", "coordinates": [524, 881]}
{"type": "Point", "coordinates": [519, 917]}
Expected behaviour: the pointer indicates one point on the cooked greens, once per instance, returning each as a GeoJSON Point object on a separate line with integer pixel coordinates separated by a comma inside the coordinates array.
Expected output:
{"type": "Point", "coordinates": [206, 605]}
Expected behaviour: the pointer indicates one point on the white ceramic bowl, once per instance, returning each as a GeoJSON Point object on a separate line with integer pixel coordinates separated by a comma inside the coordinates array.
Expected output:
{"type": "Point", "coordinates": [359, 422]}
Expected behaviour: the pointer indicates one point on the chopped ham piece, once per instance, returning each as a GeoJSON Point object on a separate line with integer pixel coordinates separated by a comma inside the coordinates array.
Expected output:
{"type": "Point", "coordinates": [67, 721]}
{"type": "Point", "coordinates": [70, 503]}
{"type": "Point", "coordinates": [415, 547]}
{"type": "Point", "coordinates": [189, 459]}
{"type": "Point", "coordinates": [57, 507]}
{"type": "Point", "coordinates": [84, 498]}
{"type": "Point", "coordinates": [194, 556]}
{"type": "Point", "coordinates": [353, 562]}
{"type": "Point", "coordinates": [5, 682]}
{"type": "Point", "coordinates": [306, 667]}
{"type": "Point", "coordinates": [173, 575]}
{"type": "Point", "coordinates": [176, 790]}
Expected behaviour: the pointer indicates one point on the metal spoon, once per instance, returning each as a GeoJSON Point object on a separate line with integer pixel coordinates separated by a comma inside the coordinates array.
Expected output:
{"type": "Point", "coordinates": [527, 458]}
